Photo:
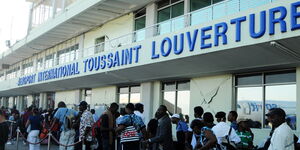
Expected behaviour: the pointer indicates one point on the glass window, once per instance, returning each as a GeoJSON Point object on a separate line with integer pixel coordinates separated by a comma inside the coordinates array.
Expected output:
{"type": "Point", "coordinates": [280, 77]}
{"type": "Point", "coordinates": [249, 105]}
{"type": "Point", "coordinates": [249, 79]}
{"type": "Point", "coordinates": [129, 94]}
{"type": "Point", "coordinates": [197, 4]}
{"type": "Point", "coordinates": [49, 61]}
{"type": "Point", "coordinates": [39, 65]}
{"type": "Point", "coordinates": [99, 44]}
{"type": "Point", "coordinates": [283, 96]}
{"type": "Point", "coordinates": [176, 96]}
{"type": "Point", "coordinates": [164, 14]}
{"type": "Point", "coordinates": [68, 54]}
{"type": "Point", "coordinates": [140, 23]}
{"type": "Point", "coordinates": [177, 10]}
{"type": "Point", "coordinates": [217, 1]}
{"type": "Point", "coordinates": [259, 93]}
{"type": "Point", "coordinates": [163, 3]}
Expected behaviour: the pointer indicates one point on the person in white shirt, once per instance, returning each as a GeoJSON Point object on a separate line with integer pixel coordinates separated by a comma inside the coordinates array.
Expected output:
{"type": "Point", "coordinates": [222, 129]}
{"type": "Point", "coordinates": [283, 136]}
{"type": "Point", "coordinates": [139, 110]}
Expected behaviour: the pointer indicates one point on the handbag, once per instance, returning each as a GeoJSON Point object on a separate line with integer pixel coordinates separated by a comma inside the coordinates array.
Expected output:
{"type": "Point", "coordinates": [44, 132]}
{"type": "Point", "coordinates": [130, 133]}
{"type": "Point", "coordinates": [226, 143]}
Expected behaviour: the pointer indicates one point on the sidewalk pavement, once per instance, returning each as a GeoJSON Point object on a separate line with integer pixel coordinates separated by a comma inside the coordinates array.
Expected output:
{"type": "Point", "coordinates": [26, 147]}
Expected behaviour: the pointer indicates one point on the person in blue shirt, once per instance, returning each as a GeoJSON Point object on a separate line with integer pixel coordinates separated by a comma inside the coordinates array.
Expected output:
{"type": "Point", "coordinates": [181, 130]}
{"type": "Point", "coordinates": [66, 116]}
{"type": "Point", "coordinates": [33, 125]}
{"type": "Point", "coordinates": [232, 117]}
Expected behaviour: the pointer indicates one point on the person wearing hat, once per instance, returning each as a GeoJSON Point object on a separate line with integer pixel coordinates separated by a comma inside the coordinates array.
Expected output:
{"type": "Point", "coordinates": [63, 115]}
{"type": "Point", "coordinates": [283, 136]}
{"type": "Point", "coordinates": [181, 130]}
{"type": "Point", "coordinates": [86, 123]}
{"type": "Point", "coordinates": [222, 129]}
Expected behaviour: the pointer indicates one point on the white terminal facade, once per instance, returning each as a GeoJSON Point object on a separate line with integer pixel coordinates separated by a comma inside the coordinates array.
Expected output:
{"type": "Point", "coordinates": [224, 55]}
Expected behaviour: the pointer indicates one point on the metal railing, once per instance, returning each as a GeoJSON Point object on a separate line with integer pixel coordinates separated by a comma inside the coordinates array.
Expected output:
{"type": "Point", "coordinates": [44, 10]}
{"type": "Point", "coordinates": [206, 14]}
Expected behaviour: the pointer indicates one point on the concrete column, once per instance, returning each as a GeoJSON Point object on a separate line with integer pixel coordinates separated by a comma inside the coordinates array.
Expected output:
{"type": "Point", "coordinates": [78, 97]}
{"type": "Point", "coordinates": [63, 5]}
{"type": "Point", "coordinates": [10, 102]}
{"type": "Point", "coordinates": [147, 96]}
{"type": "Point", "coordinates": [5, 77]}
{"type": "Point", "coordinates": [30, 19]}
{"type": "Point", "coordinates": [54, 8]}
{"type": "Point", "coordinates": [35, 63]}
{"type": "Point", "coordinates": [187, 8]}
{"type": "Point", "coordinates": [43, 102]}
{"type": "Point", "coordinates": [151, 18]}
{"type": "Point", "coordinates": [29, 100]}
{"type": "Point", "coordinates": [298, 97]}
{"type": "Point", "coordinates": [19, 103]}
{"type": "Point", "coordinates": [81, 46]}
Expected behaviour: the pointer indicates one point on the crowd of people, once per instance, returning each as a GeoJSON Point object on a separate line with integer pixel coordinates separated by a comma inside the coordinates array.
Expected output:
{"type": "Point", "coordinates": [126, 129]}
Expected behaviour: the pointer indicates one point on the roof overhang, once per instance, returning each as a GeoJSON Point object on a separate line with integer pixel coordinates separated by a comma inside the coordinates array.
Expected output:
{"type": "Point", "coordinates": [79, 17]}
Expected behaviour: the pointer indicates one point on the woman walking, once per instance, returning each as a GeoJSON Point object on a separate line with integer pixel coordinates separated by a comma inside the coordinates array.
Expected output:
{"type": "Point", "coordinates": [33, 125]}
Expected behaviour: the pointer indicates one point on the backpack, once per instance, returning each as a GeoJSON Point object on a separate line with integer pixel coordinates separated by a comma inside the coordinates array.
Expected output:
{"type": "Point", "coordinates": [69, 120]}
{"type": "Point", "coordinates": [96, 128]}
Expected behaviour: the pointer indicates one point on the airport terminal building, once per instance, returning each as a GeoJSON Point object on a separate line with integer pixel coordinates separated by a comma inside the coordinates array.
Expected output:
{"type": "Point", "coordinates": [221, 54]}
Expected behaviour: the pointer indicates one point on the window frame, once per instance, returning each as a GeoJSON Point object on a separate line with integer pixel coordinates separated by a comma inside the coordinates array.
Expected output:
{"type": "Point", "coordinates": [177, 82]}
{"type": "Point", "coordinates": [170, 5]}
{"type": "Point", "coordinates": [98, 48]}
{"type": "Point", "coordinates": [129, 92]}
{"type": "Point", "coordinates": [263, 85]}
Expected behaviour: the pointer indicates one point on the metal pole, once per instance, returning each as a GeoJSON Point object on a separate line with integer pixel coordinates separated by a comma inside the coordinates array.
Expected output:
{"type": "Point", "coordinates": [18, 132]}
{"type": "Point", "coordinates": [49, 140]}
{"type": "Point", "coordinates": [83, 145]}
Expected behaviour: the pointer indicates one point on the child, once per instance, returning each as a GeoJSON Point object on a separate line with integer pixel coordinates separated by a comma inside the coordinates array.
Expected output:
{"type": "Point", "coordinates": [246, 137]}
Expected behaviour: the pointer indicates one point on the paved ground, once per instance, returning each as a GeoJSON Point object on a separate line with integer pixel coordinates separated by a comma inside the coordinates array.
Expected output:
{"type": "Point", "coordinates": [26, 147]}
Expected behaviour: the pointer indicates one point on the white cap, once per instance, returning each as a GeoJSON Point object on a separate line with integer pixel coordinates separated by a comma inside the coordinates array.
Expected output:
{"type": "Point", "coordinates": [176, 116]}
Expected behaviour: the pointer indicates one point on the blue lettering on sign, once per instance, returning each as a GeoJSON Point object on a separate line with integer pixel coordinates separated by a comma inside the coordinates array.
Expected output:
{"type": "Point", "coordinates": [193, 40]}
{"type": "Point", "coordinates": [294, 16]}
{"type": "Point", "coordinates": [163, 51]}
{"type": "Point", "coordinates": [262, 30]}
{"type": "Point", "coordinates": [221, 34]}
{"type": "Point", "coordinates": [238, 27]}
{"type": "Point", "coordinates": [205, 36]}
{"type": "Point", "coordinates": [273, 21]}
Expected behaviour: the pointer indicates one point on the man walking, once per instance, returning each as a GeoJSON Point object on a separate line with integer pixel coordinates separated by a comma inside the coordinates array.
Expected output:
{"type": "Point", "coordinates": [108, 124]}
{"type": "Point", "coordinates": [65, 117]}
{"type": "Point", "coordinates": [164, 130]}
{"type": "Point", "coordinates": [86, 123]}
